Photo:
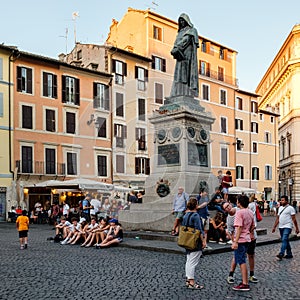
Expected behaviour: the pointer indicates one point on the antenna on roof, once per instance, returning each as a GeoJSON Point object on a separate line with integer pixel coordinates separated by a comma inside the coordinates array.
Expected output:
{"type": "Point", "coordinates": [74, 16]}
{"type": "Point", "coordinates": [153, 3]}
{"type": "Point", "coordinates": [66, 38]}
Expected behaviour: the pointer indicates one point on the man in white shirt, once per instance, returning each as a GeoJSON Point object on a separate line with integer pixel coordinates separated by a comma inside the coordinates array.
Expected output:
{"type": "Point", "coordinates": [285, 218]}
{"type": "Point", "coordinates": [96, 205]}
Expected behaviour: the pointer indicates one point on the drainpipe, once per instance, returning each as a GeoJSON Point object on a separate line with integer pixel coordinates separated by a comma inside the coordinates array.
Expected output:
{"type": "Point", "coordinates": [12, 57]}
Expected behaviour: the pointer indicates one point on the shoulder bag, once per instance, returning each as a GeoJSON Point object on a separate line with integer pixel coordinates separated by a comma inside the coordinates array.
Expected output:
{"type": "Point", "coordinates": [188, 236]}
{"type": "Point", "coordinates": [257, 213]}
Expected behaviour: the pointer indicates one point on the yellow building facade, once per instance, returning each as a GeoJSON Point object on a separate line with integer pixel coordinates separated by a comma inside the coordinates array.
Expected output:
{"type": "Point", "coordinates": [279, 90]}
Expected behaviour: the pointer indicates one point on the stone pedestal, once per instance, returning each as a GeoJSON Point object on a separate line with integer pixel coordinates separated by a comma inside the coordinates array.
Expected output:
{"type": "Point", "coordinates": [181, 158]}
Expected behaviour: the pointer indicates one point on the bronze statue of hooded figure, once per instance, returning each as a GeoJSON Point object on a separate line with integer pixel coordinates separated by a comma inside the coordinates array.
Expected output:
{"type": "Point", "coordinates": [185, 81]}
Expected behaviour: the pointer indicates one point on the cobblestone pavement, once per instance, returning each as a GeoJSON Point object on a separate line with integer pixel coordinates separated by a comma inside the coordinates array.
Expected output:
{"type": "Point", "coordinates": [48, 270]}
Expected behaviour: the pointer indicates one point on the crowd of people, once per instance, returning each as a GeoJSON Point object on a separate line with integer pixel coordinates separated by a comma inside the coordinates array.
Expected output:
{"type": "Point", "coordinates": [229, 221]}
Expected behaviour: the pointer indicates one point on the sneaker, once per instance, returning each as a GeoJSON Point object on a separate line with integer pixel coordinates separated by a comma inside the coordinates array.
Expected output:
{"type": "Point", "coordinates": [22, 247]}
{"type": "Point", "coordinates": [25, 246]}
{"type": "Point", "coordinates": [208, 248]}
{"type": "Point", "coordinates": [230, 279]}
{"type": "Point", "coordinates": [64, 242]}
{"type": "Point", "coordinates": [279, 256]}
{"type": "Point", "coordinates": [212, 241]}
{"type": "Point", "coordinates": [229, 242]}
{"type": "Point", "coordinates": [221, 243]}
{"type": "Point", "coordinates": [288, 256]}
{"type": "Point", "coordinates": [242, 287]}
{"type": "Point", "coordinates": [253, 279]}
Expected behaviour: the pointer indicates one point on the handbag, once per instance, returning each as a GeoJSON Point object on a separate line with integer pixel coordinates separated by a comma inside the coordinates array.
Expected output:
{"type": "Point", "coordinates": [257, 213]}
{"type": "Point", "coordinates": [188, 236]}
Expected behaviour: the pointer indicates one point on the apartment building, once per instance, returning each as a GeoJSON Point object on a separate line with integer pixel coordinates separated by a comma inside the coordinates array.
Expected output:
{"type": "Point", "coordinates": [62, 124]}
{"type": "Point", "coordinates": [132, 139]}
{"type": "Point", "coordinates": [6, 132]}
{"type": "Point", "coordinates": [149, 34]}
{"type": "Point", "coordinates": [280, 94]}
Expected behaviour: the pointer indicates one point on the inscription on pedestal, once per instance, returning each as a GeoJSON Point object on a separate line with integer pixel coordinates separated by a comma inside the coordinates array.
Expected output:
{"type": "Point", "coordinates": [168, 154]}
{"type": "Point", "coordinates": [197, 155]}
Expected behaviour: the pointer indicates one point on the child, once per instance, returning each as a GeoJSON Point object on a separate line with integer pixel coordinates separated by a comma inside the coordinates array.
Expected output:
{"type": "Point", "coordinates": [244, 226]}
{"type": "Point", "coordinates": [226, 184]}
{"type": "Point", "coordinates": [22, 224]}
{"type": "Point", "coordinates": [63, 227]}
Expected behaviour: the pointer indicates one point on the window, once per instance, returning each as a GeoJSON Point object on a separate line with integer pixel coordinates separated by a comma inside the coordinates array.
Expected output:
{"type": "Point", "coordinates": [239, 145]}
{"type": "Point", "coordinates": [255, 173]}
{"type": "Point", "coordinates": [254, 107]}
{"type": "Point", "coordinates": [70, 90]}
{"type": "Point", "coordinates": [205, 92]}
{"type": "Point", "coordinates": [27, 117]}
{"type": "Point", "coordinates": [142, 165]}
{"type": "Point", "coordinates": [239, 124]}
{"type": "Point", "coordinates": [70, 122]}
{"type": "Point", "coordinates": [254, 147]}
{"type": "Point", "coordinates": [1, 105]}
{"type": "Point", "coordinates": [261, 117]}
{"type": "Point", "coordinates": [140, 136]}
{"type": "Point", "coordinates": [120, 166]}
{"type": "Point", "coordinates": [224, 157]}
{"type": "Point", "coordinates": [239, 103]}
{"type": "Point", "coordinates": [254, 127]}
{"type": "Point", "coordinates": [157, 33]}
{"type": "Point", "coordinates": [102, 165]}
{"type": "Point", "coordinates": [289, 147]}
{"type": "Point", "coordinates": [223, 125]}
{"type": "Point", "coordinates": [203, 46]}
{"type": "Point", "coordinates": [142, 109]}
{"type": "Point", "coordinates": [204, 68]}
{"type": "Point", "coordinates": [268, 172]}
{"type": "Point", "coordinates": [223, 97]}
{"type": "Point", "coordinates": [158, 63]}
{"type": "Point", "coordinates": [101, 96]}
{"type": "Point", "coordinates": [50, 120]}
{"type": "Point", "coordinates": [220, 73]}
{"type": "Point", "coordinates": [268, 137]}
{"type": "Point", "coordinates": [221, 53]}
{"type": "Point", "coordinates": [120, 133]}
{"type": "Point", "coordinates": [24, 80]}
{"type": "Point", "coordinates": [272, 120]}
{"type": "Point", "coordinates": [282, 148]}
{"type": "Point", "coordinates": [239, 172]}
{"type": "Point", "coordinates": [101, 126]}
{"type": "Point", "coordinates": [141, 75]}
{"type": "Point", "coordinates": [27, 159]}
{"type": "Point", "coordinates": [50, 161]}
{"type": "Point", "coordinates": [79, 54]}
{"type": "Point", "coordinates": [119, 105]}
{"type": "Point", "coordinates": [71, 163]}
{"type": "Point", "coordinates": [120, 70]}
{"type": "Point", "coordinates": [49, 85]}
{"type": "Point", "coordinates": [158, 93]}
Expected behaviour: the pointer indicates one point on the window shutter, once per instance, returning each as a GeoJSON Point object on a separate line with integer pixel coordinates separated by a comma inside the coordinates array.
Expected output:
{"type": "Point", "coordinates": [29, 81]}
{"type": "Point", "coordinates": [146, 75]}
{"type": "Point", "coordinates": [163, 65]}
{"type": "Point", "coordinates": [137, 165]}
{"type": "Point", "coordinates": [77, 91]}
{"type": "Point", "coordinates": [106, 95]}
{"type": "Point", "coordinates": [45, 84]}
{"type": "Point", "coordinates": [54, 86]}
{"type": "Point", "coordinates": [137, 133]}
{"type": "Point", "coordinates": [124, 69]}
{"type": "Point", "coordinates": [124, 133]}
{"type": "Point", "coordinates": [1, 68]}
{"type": "Point", "coordinates": [115, 129]}
{"type": "Point", "coordinates": [63, 88]}
{"type": "Point", "coordinates": [136, 72]}
{"type": "Point", "coordinates": [236, 123]}
{"type": "Point", "coordinates": [242, 172]}
{"type": "Point", "coordinates": [153, 62]}
{"type": "Point", "coordinates": [242, 124]}
{"type": "Point", "coordinates": [113, 69]}
{"type": "Point", "coordinates": [19, 79]}
{"type": "Point", "coordinates": [96, 98]}
{"type": "Point", "coordinates": [1, 104]}
{"type": "Point", "coordinates": [147, 166]}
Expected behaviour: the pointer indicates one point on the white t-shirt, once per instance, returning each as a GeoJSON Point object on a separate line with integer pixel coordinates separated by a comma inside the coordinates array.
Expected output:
{"type": "Point", "coordinates": [96, 204]}
{"type": "Point", "coordinates": [285, 214]}
{"type": "Point", "coordinates": [66, 224]}
{"type": "Point", "coordinates": [252, 207]}
{"type": "Point", "coordinates": [73, 228]}
{"type": "Point", "coordinates": [66, 209]}
{"type": "Point", "coordinates": [91, 226]}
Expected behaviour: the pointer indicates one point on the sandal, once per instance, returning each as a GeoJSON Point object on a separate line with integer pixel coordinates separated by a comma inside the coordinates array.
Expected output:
{"type": "Point", "coordinates": [195, 286]}
{"type": "Point", "coordinates": [173, 232]}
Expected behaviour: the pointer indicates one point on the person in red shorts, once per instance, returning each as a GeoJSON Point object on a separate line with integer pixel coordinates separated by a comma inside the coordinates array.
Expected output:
{"type": "Point", "coordinates": [22, 224]}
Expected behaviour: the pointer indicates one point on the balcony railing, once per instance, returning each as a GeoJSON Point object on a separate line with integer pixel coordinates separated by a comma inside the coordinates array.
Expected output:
{"type": "Point", "coordinates": [218, 76]}
{"type": "Point", "coordinates": [40, 168]}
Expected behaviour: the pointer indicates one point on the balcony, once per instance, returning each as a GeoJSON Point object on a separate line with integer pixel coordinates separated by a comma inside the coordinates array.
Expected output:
{"type": "Point", "coordinates": [40, 168]}
{"type": "Point", "coordinates": [219, 76]}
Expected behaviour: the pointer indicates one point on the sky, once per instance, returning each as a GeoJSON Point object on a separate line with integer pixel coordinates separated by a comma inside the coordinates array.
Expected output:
{"type": "Point", "coordinates": [256, 29]}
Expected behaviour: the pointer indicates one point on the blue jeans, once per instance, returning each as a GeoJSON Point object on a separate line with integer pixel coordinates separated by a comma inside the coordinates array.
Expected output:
{"type": "Point", "coordinates": [285, 244]}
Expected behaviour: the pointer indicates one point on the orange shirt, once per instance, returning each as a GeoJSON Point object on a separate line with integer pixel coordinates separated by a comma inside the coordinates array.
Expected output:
{"type": "Point", "coordinates": [22, 223]}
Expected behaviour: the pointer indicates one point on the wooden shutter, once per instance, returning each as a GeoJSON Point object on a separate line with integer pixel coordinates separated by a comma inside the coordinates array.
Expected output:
{"type": "Point", "coordinates": [137, 165]}
{"type": "Point", "coordinates": [19, 79]}
{"type": "Point", "coordinates": [63, 89]}
{"type": "Point", "coordinates": [29, 81]}
{"type": "Point", "coordinates": [54, 88]}
{"type": "Point", "coordinates": [45, 84]}
{"type": "Point", "coordinates": [124, 69]}
{"type": "Point", "coordinates": [77, 91]}
{"type": "Point", "coordinates": [147, 166]}
{"type": "Point", "coordinates": [163, 65]}
{"type": "Point", "coordinates": [153, 62]}
{"type": "Point", "coordinates": [96, 97]}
